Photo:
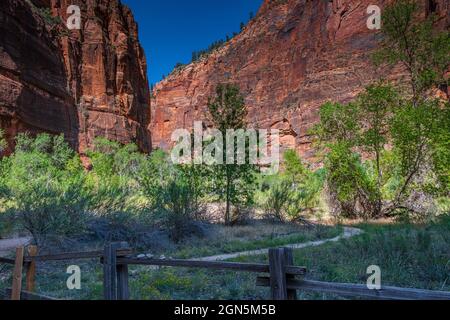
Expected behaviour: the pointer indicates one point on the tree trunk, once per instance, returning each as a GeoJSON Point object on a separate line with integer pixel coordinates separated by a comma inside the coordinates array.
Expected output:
{"type": "Point", "coordinates": [228, 200]}
{"type": "Point", "coordinates": [379, 202]}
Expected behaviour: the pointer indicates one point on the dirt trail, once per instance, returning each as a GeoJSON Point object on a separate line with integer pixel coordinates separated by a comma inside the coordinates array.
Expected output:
{"type": "Point", "coordinates": [7, 245]}
{"type": "Point", "coordinates": [348, 233]}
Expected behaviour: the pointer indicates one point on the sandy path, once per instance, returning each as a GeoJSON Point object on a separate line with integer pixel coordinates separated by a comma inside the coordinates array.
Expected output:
{"type": "Point", "coordinates": [348, 233]}
{"type": "Point", "coordinates": [7, 245]}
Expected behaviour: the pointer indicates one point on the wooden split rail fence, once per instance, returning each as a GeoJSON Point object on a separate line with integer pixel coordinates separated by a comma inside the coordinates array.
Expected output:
{"type": "Point", "coordinates": [282, 277]}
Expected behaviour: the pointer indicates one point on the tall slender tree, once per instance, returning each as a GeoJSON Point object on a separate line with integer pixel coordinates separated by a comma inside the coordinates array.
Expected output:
{"type": "Point", "coordinates": [234, 182]}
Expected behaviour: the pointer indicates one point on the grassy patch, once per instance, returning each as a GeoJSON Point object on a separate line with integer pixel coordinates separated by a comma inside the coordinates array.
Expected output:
{"type": "Point", "coordinates": [414, 256]}
{"type": "Point", "coordinates": [198, 284]}
{"type": "Point", "coordinates": [260, 235]}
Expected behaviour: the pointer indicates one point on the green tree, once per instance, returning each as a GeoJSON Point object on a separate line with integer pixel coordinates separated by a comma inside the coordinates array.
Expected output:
{"type": "Point", "coordinates": [413, 42]}
{"type": "Point", "coordinates": [306, 184]}
{"type": "Point", "coordinates": [233, 183]}
{"type": "Point", "coordinates": [375, 108]}
{"type": "Point", "coordinates": [419, 139]}
{"type": "Point", "coordinates": [294, 168]}
{"type": "Point", "coordinates": [410, 124]}
{"type": "Point", "coordinates": [404, 143]}
{"type": "Point", "coordinates": [421, 143]}
{"type": "Point", "coordinates": [338, 123]}
{"type": "Point", "coordinates": [440, 151]}
{"type": "Point", "coordinates": [338, 134]}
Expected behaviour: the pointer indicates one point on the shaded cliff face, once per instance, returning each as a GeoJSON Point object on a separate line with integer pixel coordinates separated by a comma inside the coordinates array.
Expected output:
{"type": "Point", "coordinates": [83, 83]}
{"type": "Point", "coordinates": [33, 86]}
{"type": "Point", "coordinates": [294, 56]}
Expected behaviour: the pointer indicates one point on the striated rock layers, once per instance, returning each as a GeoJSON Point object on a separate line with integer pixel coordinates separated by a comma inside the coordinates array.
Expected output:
{"type": "Point", "coordinates": [294, 56]}
{"type": "Point", "coordinates": [83, 83]}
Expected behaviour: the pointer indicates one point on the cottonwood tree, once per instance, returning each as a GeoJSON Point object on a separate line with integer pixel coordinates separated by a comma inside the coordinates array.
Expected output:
{"type": "Point", "coordinates": [375, 108]}
{"type": "Point", "coordinates": [412, 41]}
{"type": "Point", "coordinates": [418, 128]}
{"type": "Point", "coordinates": [400, 133]}
{"type": "Point", "coordinates": [233, 183]}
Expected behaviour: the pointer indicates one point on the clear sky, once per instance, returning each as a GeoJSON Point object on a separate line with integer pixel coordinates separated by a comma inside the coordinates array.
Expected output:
{"type": "Point", "coordinates": [170, 30]}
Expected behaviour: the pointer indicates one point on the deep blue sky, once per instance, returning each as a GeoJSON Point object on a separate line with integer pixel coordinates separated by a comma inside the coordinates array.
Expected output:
{"type": "Point", "coordinates": [170, 30]}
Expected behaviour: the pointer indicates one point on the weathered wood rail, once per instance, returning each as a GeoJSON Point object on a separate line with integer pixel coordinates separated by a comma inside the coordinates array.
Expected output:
{"type": "Point", "coordinates": [281, 275]}
{"type": "Point", "coordinates": [357, 290]}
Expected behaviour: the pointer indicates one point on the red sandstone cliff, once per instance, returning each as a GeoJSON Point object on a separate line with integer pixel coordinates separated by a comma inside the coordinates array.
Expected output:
{"type": "Point", "coordinates": [83, 83]}
{"type": "Point", "coordinates": [294, 56]}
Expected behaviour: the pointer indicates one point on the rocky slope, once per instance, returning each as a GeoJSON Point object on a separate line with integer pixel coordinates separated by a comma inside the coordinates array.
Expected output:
{"type": "Point", "coordinates": [82, 83]}
{"type": "Point", "coordinates": [294, 56]}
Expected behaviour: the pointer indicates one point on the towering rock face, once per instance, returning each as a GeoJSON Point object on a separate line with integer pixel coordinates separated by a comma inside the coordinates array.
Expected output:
{"type": "Point", "coordinates": [294, 56]}
{"type": "Point", "coordinates": [33, 83]}
{"type": "Point", "coordinates": [83, 83]}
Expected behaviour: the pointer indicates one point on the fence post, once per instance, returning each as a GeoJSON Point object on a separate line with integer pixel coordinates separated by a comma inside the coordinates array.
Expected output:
{"type": "Point", "coordinates": [17, 275]}
{"type": "Point", "coordinates": [123, 292]}
{"type": "Point", "coordinates": [31, 270]}
{"type": "Point", "coordinates": [277, 263]}
{"type": "Point", "coordinates": [289, 255]}
{"type": "Point", "coordinates": [109, 272]}
{"type": "Point", "coordinates": [115, 277]}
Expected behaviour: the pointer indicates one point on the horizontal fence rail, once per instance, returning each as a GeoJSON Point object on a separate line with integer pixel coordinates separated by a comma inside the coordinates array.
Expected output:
{"type": "Point", "coordinates": [357, 290]}
{"type": "Point", "coordinates": [244, 267]}
{"type": "Point", "coordinates": [76, 255]}
{"type": "Point", "coordinates": [7, 261]}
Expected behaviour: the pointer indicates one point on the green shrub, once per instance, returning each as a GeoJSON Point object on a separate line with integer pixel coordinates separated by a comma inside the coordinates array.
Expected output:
{"type": "Point", "coordinates": [294, 192]}
{"type": "Point", "coordinates": [279, 200]}
{"type": "Point", "coordinates": [47, 16]}
{"type": "Point", "coordinates": [45, 187]}
{"type": "Point", "coordinates": [114, 179]}
{"type": "Point", "coordinates": [180, 201]}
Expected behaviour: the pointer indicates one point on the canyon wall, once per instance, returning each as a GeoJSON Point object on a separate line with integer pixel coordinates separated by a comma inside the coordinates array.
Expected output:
{"type": "Point", "coordinates": [290, 59]}
{"type": "Point", "coordinates": [83, 83]}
